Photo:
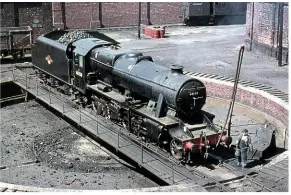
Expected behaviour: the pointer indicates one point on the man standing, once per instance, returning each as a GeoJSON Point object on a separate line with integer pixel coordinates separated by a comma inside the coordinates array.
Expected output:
{"type": "Point", "coordinates": [243, 144]}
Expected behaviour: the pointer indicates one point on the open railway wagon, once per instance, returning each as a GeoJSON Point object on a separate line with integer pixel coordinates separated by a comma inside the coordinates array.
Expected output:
{"type": "Point", "coordinates": [214, 13]}
{"type": "Point", "coordinates": [15, 41]}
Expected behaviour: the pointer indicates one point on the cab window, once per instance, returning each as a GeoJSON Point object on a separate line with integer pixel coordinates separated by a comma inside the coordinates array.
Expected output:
{"type": "Point", "coordinates": [81, 61]}
{"type": "Point", "coordinates": [76, 60]}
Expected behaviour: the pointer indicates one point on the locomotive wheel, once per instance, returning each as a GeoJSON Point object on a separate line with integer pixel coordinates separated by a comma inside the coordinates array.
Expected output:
{"type": "Point", "coordinates": [176, 149]}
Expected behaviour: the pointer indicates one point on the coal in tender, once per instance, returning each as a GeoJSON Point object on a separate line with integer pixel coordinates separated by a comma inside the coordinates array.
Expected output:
{"type": "Point", "coordinates": [73, 36]}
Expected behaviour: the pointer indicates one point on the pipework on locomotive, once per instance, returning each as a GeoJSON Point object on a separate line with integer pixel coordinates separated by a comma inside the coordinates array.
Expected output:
{"type": "Point", "coordinates": [159, 104]}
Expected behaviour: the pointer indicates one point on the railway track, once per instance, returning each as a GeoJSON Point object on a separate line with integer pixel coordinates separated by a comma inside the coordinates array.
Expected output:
{"type": "Point", "coordinates": [275, 92]}
{"type": "Point", "coordinates": [204, 180]}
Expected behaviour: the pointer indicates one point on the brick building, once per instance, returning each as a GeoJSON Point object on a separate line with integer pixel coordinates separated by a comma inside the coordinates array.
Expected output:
{"type": "Point", "coordinates": [117, 14]}
{"type": "Point", "coordinates": [44, 17]}
{"type": "Point", "coordinates": [264, 22]}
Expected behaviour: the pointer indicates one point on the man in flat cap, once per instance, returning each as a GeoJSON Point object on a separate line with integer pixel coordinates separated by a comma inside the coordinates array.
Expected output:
{"type": "Point", "coordinates": [243, 144]}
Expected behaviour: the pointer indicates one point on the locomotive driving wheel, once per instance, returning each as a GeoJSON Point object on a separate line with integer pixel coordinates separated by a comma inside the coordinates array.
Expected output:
{"type": "Point", "coordinates": [176, 149]}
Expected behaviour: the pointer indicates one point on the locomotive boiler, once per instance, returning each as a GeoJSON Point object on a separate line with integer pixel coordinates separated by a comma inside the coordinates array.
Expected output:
{"type": "Point", "coordinates": [159, 104]}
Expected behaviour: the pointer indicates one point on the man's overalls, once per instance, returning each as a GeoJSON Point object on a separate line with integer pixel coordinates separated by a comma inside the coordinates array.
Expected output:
{"type": "Point", "coordinates": [242, 146]}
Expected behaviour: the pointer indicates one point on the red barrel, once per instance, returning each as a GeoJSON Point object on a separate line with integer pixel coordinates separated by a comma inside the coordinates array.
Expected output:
{"type": "Point", "coordinates": [156, 34]}
{"type": "Point", "coordinates": [162, 33]}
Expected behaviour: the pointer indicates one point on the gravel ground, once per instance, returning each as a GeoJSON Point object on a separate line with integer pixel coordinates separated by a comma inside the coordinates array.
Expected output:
{"type": "Point", "coordinates": [63, 158]}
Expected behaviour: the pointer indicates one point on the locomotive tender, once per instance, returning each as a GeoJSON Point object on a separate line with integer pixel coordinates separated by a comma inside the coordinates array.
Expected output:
{"type": "Point", "coordinates": [159, 104]}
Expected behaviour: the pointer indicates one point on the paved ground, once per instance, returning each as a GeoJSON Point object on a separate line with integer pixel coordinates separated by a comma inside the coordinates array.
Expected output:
{"type": "Point", "coordinates": [211, 49]}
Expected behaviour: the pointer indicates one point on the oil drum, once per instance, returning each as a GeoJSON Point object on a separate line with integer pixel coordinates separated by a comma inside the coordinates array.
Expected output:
{"type": "Point", "coordinates": [156, 33]}
{"type": "Point", "coordinates": [162, 33]}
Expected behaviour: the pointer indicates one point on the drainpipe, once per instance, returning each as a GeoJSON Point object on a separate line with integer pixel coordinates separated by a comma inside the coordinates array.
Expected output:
{"type": "Point", "coordinates": [273, 27]}
{"type": "Point", "coordinates": [149, 13]}
{"type": "Point", "coordinates": [139, 19]}
{"type": "Point", "coordinates": [100, 15]}
{"type": "Point", "coordinates": [63, 8]}
{"type": "Point", "coordinates": [280, 23]}
{"type": "Point", "coordinates": [252, 27]}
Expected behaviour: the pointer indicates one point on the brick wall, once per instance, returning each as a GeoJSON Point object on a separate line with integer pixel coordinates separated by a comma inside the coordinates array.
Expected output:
{"type": "Point", "coordinates": [265, 26]}
{"type": "Point", "coordinates": [7, 14]}
{"type": "Point", "coordinates": [117, 14]}
{"type": "Point", "coordinates": [255, 99]}
{"type": "Point", "coordinates": [36, 15]}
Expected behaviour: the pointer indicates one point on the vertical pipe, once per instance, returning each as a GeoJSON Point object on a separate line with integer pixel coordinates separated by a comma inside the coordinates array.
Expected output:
{"type": "Point", "coordinates": [139, 19]}
{"type": "Point", "coordinates": [53, 13]}
{"type": "Point", "coordinates": [13, 75]}
{"type": "Point", "coordinates": [129, 120]}
{"type": "Point", "coordinates": [97, 120]}
{"type": "Point", "coordinates": [100, 15]}
{"type": "Point", "coordinates": [280, 23]}
{"type": "Point", "coordinates": [118, 140]}
{"type": "Point", "coordinates": [149, 13]}
{"type": "Point", "coordinates": [80, 115]}
{"type": "Point", "coordinates": [50, 95]}
{"type": "Point", "coordinates": [30, 38]}
{"type": "Point", "coordinates": [273, 26]}
{"type": "Point", "coordinates": [141, 154]}
{"type": "Point", "coordinates": [97, 127]}
{"type": "Point", "coordinates": [26, 96]}
{"type": "Point", "coordinates": [63, 8]}
{"type": "Point", "coordinates": [26, 81]}
{"type": "Point", "coordinates": [36, 86]}
{"type": "Point", "coordinates": [252, 26]}
{"type": "Point", "coordinates": [285, 132]}
{"type": "Point", "coordinates": [91, 15]}
{"type": "Point", "coordinates": [173, 180]}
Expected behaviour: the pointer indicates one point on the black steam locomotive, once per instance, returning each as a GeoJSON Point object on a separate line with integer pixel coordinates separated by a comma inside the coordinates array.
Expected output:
{"type": "Point", "coordinates": [159, 104]}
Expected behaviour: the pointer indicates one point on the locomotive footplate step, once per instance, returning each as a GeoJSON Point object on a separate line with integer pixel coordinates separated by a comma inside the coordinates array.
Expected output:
{"type": "Point", "coordinates": [109, 133]}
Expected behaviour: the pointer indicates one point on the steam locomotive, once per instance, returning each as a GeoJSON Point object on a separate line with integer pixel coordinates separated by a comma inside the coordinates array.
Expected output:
{"type": "Point", "coordinates": [159, 104]}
